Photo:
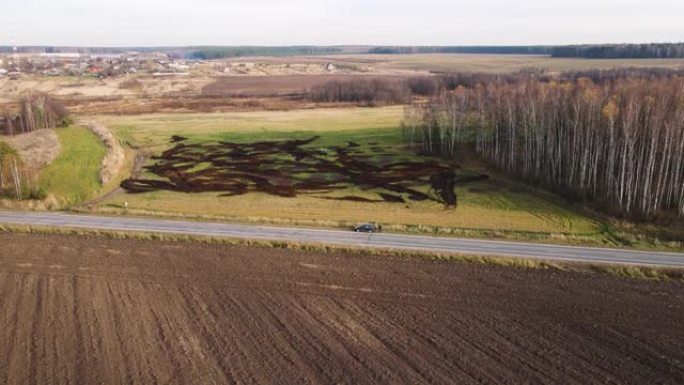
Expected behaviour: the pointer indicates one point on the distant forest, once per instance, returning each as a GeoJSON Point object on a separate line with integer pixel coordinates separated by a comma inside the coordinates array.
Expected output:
{"type": "Point", "coordinates": [37, 49]}
{"type": "Point", "coordinates": [603, 51]}
{"type": "Point", "coordinates": [192, 53]}
{"type": "Point", "coordinates": [213, 53]}
{"type": "Point", "coordinates": [622, 51]}
{"type": "Point", "coordinates": [514, 50]}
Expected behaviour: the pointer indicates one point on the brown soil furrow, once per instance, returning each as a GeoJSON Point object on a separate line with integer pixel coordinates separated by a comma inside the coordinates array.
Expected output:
{"type": "Point", "coordinates": [377, 359]}
{"type": "Point", "coordinates": [83, 310]}
{"type": "Point", "coordinates": [274, 348]}
{"type": "Point", "coordinates": [293, 347]}
{"type": "Point", "coordinates": [10, 323]}
{"type": "Point", "coordinates": [535, 339]}
{"type": "Point", "coordinates": [205, 335]}
{"type": "Point", "coordinates": [473, 347]}
{"type": "Point", "coordinates": [633, 353]}
{"type": "Point", "coordinates": [180, 340]}
{"type": "Point", "coordinates": [250, 340]}
{"type": "Point", "coordinates": [124, 345]}
{"type": "Point", "coordinates": [235, 354]}
{"type": "Point", "coordinates": [523, 347]}
{"type": "Point", "coordinates": [518, 348]}
{"type": "Point", "coordinates": [340, 364]}
{"type": "Point", "coordinates": [340, 344]}
{"type": "Point", "coordinates": [39, 328]}
{"type": "Point", "coordinates": [242, 358]}
{"type": "Point", "coordinates": [590, 356]}
{"type": "Point", "coordinates": [424, 349]}
{"type": "Point", "coordinates": [407, 349]}
{"type": "Point", "coordinates": [167, 365]}
{"type": "Point", "coordinates": [20, 353]}
{"type": "Point", "coordinates": [306, 339]}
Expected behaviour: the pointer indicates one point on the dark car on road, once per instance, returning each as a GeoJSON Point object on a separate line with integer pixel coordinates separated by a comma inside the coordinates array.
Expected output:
{"type": "Point", "coordinates": [367, 228]}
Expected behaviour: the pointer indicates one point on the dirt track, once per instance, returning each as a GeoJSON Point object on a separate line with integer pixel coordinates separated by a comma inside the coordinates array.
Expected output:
{"type": "Point", "coordinates": [93, 310]}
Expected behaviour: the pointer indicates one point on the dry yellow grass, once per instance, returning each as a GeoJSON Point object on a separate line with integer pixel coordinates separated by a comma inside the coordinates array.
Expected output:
{"type": "Point", "coordinates": [154, 130]}
{"type": "Point", "coordinates": [500, 63]}
{"type": "Point", "coordinates": [36, 149]}
{"type": "Point", "coordinates": [307, 210]}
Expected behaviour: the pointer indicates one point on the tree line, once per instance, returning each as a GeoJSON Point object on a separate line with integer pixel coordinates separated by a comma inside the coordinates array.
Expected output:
{"type": "Point", "coordinates": [34, 111]}
{"type": "Point", "coordinates": [16, 181]}
{"type": "Point", "coordinates": [366, 91]}
{"type": "Point", "coordinates": [379, 90]}
{"type": "Point", "coordinates": [589, 51]}
{"type": "Point", "coordinates": [621, 51]}
{"type": "Point", "coordinates": [383, 90]}
{"type": "Point", "coordinates": [501, 50]}
{"type": "Point", "coordinates": [616, 144]}
{"type": "Point", "coordinates": [217, 53]}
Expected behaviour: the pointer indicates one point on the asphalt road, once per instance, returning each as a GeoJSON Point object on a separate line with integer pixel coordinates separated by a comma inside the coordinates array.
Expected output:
{"type": "Point", "coordinates": [347, 238]}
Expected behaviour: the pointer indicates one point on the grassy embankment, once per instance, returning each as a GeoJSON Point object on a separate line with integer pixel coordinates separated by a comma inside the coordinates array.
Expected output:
{"type": "Point", "coordinates": [625, 271]}
{"type": "Point", "coordinates": [498, 207]}
{"type": "Point", "coordinates": [74, 176]}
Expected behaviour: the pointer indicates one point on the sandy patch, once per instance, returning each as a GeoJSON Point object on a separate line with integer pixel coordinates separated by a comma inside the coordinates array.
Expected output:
{"type": "Point", "coordinates": [37, 149]}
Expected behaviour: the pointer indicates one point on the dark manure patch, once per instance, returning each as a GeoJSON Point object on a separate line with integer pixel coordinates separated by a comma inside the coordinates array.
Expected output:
{"type": "Point", "coordinates": [352, 198]}
{"type": "Point", "coordinates": [288, 168]}
{"type": "Point", "coordinates": [391, 198]}
{"type": "Point", "coordinates": [177, 138]}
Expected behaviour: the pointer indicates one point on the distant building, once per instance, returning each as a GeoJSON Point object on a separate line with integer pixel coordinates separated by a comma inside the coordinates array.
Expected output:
{"type": "Point", "coordinates": [169, 74]}
{"type": "Point", "coordinates": [107, 56]}
{"type": "Point", "coordinates": [63, 55]}
{"type": "Point", "coordinates": [93, 69]}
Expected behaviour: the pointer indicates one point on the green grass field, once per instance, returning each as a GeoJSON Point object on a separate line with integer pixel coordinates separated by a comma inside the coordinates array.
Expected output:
{"type": "Point", "coordinates": [497, 205]}
{"type": "Point", "coordinates": [154, 131]}
{"type": "Point", "coordinates": [74, 176]}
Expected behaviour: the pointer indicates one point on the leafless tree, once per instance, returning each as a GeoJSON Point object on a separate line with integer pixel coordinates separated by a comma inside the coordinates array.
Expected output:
{"type": "Point", "coordinates": [35, 111]}
{"type": "Point", "coordinates": [617, 144]}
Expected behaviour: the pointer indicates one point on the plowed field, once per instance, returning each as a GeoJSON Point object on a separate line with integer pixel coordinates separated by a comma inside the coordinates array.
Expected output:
{"type": "Point", "coordinates": [93, 310]}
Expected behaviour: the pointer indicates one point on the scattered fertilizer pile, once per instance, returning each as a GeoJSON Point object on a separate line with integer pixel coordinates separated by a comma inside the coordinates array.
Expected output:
{"type": "Point", "coordinates": [288, 168]}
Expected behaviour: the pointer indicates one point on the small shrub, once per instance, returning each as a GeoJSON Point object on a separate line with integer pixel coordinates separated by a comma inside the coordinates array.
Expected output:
{"type": "Point", "coordinates": [424, 85]}
{"type": "Point", "coordinates": [131, 84]}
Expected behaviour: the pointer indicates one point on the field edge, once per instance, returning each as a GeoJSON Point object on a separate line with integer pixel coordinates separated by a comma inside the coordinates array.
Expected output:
{"type": "Point", "coordinates": [625, 270]}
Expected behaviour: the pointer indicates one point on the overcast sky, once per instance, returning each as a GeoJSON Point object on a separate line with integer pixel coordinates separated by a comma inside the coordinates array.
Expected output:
{"type": "Point", "coordinates": [332, 22]}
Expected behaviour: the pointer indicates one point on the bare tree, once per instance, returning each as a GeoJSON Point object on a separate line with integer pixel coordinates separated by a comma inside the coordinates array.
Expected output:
{"type": "Point", "coordinates": [35, 111]}
{"type": "Point", "coordinates": [617, 144]}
